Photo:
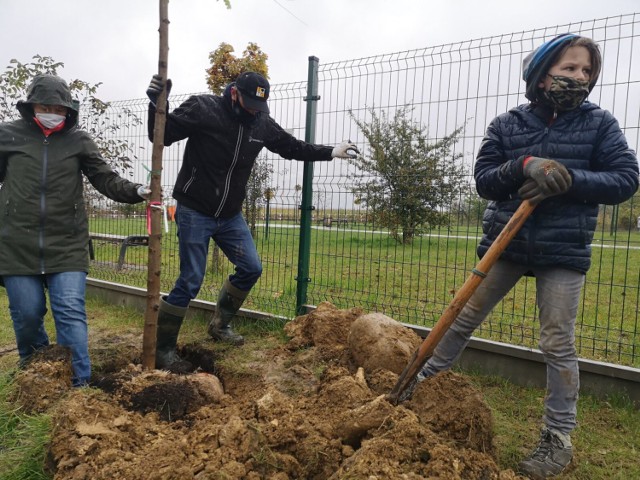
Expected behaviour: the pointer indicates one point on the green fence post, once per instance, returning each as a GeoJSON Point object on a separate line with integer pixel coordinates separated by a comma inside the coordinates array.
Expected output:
{"type": "Point", "coordinates": [306, 207]}
{"type": "Point", "coordinates": [614, 220]}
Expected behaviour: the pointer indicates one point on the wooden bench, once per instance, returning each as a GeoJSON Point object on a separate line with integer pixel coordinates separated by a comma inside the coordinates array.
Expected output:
{"type": "Point", "coordinates": [328, 221]}
{"type": "Point", "coordinates": [124, 241]}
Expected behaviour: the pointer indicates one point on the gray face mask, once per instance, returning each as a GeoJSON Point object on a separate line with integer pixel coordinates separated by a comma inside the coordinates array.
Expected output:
{"type": "Point", "coordinates": [50, 120]}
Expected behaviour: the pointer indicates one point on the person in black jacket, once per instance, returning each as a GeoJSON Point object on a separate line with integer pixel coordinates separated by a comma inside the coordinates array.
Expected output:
{"type": "Point", "coordinates": [567, 156]}
{"type": "Point", "coordinates": [225, 134]}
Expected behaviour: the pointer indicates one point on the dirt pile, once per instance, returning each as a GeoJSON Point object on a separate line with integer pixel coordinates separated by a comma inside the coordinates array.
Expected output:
{"type": "Point", "coordinates": [313, 408]}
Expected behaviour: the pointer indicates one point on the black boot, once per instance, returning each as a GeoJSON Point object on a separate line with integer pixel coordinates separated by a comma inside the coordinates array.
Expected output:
{"type": "Point", "coordinates": [230, 300]}
{"type": "Point", "coordinates": [170, 320]}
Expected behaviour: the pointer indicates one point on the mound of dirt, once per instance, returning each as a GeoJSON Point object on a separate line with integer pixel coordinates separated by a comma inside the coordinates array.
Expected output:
{"type": "Point", "coordinates": [313, 408]}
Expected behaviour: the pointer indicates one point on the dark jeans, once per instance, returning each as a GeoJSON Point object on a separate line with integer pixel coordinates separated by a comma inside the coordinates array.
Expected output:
{"type": "Point", "coordinates": [27, 304]}
{"type": "Point", "coordinates": [233, 237]}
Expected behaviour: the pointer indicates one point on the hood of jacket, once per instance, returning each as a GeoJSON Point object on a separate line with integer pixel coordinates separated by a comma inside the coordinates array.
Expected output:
{"type": "Point", "coordinates": [537, 64]}
{"type": "Point", "coordinates": [47, 89]}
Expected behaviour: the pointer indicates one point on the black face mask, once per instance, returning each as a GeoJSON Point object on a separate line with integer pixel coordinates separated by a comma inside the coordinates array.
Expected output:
{"type": "Point", "coordinates": [244, 117]}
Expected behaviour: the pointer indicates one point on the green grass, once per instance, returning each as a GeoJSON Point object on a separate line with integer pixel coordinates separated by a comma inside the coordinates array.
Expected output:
{"type": "Point", "coordinates": [606, 441]}
{"type": "Point", "coordinates": [23, 439]}
{"type": "Point", "coordinates": [412, 283]}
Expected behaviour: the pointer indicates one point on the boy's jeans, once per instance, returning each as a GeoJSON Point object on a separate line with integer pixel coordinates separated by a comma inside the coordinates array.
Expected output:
{"type": "Point", "coordinates": [233, 237]}
{"type": "Point", "coordinates": [27, 304]}
{"type": "Point", "coordinates": [558, 293]}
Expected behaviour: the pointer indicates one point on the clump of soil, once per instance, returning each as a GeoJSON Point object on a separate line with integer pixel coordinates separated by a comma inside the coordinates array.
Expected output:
{"type": "Point", "coordinates": [45, 378]}
{"type": "Point", "coordinates": [313, 408]}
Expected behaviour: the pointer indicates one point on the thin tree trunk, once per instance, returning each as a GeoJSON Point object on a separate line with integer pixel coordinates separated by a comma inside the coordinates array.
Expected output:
{"type": "Point", "coordinates": [155, 237]}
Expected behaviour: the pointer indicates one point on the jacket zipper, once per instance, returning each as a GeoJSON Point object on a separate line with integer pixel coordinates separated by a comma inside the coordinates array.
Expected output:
{"type": "Point", "coordinates": [43, 203]}
{"type": "Point", "coordinates": [543, 154]}
{"type": "Point", "coordinates": [190, 181]}
{"type": "Point", "coordinates": [545, 142]}
{"type": "Point", "coordinates": [227, 182]}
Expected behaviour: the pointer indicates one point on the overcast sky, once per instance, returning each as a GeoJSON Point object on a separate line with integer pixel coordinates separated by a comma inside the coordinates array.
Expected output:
{"type": "Point", "coordinates": [116, 41]}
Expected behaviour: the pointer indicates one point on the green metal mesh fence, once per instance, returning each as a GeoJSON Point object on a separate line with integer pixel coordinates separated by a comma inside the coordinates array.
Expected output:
{"type": "Point", "coordinates": [353, 260]}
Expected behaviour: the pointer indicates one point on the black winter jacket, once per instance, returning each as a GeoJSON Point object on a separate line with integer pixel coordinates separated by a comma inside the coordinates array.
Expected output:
{"type": "Point", "coordinates": [589, 142]}
{"type": "Point", "coordinates": [220, 152]}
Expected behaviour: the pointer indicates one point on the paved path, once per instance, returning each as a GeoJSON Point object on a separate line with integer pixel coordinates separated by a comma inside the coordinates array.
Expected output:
{"type": "Point", "coordinates": [431, 235]}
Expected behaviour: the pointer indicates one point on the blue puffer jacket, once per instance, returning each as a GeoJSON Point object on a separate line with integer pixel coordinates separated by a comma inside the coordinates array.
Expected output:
{"type": "Point", "coordinates": [590, 143]}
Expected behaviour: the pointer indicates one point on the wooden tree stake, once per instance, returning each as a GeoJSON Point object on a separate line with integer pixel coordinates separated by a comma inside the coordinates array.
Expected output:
{"type": "Point", "coordinates": [155, 237]}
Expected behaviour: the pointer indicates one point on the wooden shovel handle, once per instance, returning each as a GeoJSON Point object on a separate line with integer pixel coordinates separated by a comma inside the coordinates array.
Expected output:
{"type": "Point", "coordinates": [422, 354]}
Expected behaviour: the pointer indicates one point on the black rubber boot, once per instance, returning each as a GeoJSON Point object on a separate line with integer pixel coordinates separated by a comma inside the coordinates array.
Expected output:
{"type": "Point", "coordinates": [170, 320]}
{"type": "Point", "coordinates": [230, 300]}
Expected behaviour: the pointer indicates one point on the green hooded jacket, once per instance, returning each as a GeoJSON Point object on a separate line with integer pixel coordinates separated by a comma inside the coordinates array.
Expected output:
{"type": "Point", "coordinates": [43, 222]}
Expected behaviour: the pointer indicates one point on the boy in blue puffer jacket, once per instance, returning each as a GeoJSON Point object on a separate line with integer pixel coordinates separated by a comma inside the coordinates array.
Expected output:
{"type": "Point", "coordinates": [566, 155]}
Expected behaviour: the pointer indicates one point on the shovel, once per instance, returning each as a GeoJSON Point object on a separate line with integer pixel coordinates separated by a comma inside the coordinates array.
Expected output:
{"type": "Point", "coordinates": [425, 350]}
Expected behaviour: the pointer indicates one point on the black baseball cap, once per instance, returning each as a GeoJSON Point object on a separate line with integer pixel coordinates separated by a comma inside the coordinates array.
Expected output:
{"type": "Point", "coordinates": [255, 91]}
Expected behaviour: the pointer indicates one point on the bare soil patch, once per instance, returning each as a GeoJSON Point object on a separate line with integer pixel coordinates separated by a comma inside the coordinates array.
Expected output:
{"type": "Point", "coordinates": [312, 408]}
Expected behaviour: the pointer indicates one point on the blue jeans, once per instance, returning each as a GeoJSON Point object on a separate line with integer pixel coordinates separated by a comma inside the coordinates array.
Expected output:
{"type": "Point", "coordinates": [27, 304]}
{"type": "Point", "coordinates": [233, 237]}
{"type": "Point", "coordinates": [558, 294]}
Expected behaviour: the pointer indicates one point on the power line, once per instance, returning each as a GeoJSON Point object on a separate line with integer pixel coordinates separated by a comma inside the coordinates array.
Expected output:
{"type": "Point", "coordinates": [290, 12]}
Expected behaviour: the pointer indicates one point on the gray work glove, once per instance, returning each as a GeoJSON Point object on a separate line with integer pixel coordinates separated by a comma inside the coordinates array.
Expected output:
{"type": "Point", "coordinates": [531, 191]}
{"type": "Point", "coordinates": [346, 149]}
{"type": "Point", "coordinates": [155, 88]}
{"type": "Point", "coordinates": [550, 177]}
{"type": "Point", "coordinates": [144, 192]}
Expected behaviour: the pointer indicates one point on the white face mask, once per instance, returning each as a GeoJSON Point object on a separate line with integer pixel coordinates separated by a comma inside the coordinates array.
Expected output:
{"type": "Point", "coordinates": [50, 120]}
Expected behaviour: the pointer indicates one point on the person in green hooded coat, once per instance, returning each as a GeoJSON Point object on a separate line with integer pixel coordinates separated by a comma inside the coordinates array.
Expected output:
{"type": "Point", "coordinates": [44, 233]}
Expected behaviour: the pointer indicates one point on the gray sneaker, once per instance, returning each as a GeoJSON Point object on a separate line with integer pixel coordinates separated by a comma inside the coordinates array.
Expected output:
{"type": "Point", "coordinates": [550, 458]}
